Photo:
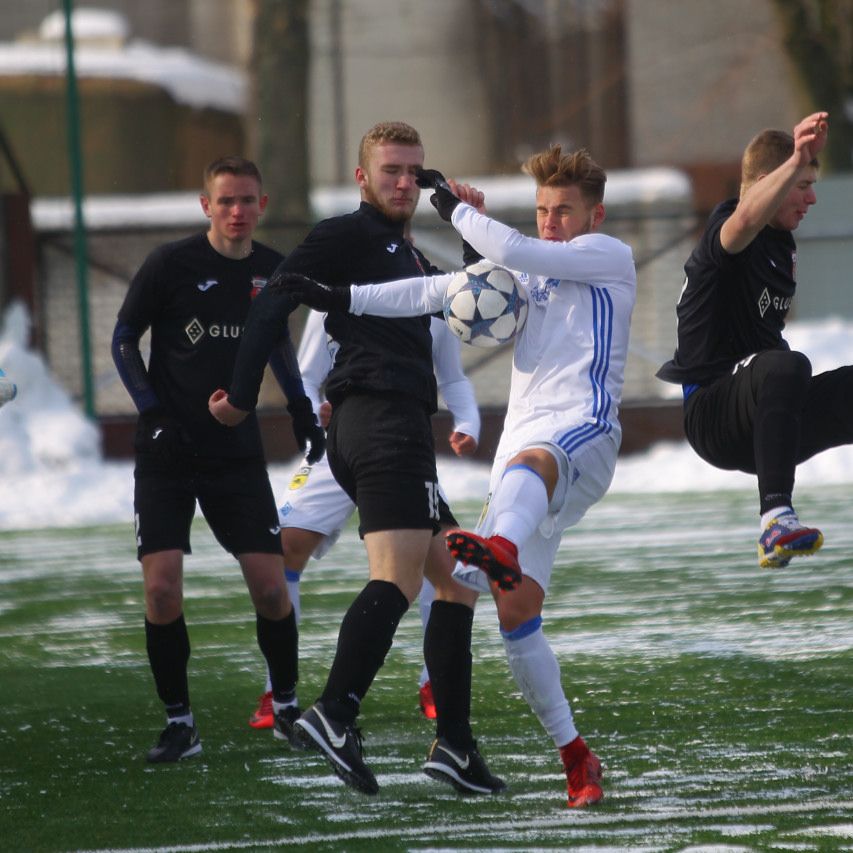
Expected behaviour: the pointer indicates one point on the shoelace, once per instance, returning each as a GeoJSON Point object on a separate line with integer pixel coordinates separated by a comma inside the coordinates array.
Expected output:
{"type": "Point", "coordinates": [359, 740]}
{"type": "Point", "coordinates": [789, 521]}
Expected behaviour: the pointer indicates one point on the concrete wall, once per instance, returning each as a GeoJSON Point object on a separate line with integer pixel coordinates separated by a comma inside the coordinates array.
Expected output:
{"type": "Point", "coordinates": [704, 78]}
{"type": "Point", "coordinates": [405, 61]}
{"type": "Point", "coordinates": [825, 253]}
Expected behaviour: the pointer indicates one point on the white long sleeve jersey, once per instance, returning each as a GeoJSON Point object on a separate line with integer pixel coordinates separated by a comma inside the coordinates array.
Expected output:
{"type": "Point", "coordinates": [569, 358]}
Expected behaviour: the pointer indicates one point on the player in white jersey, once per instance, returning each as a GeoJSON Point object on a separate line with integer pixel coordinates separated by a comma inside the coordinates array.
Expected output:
{"type": "Point", "coordinates": [316, 508]}
{"type": "Point", "coordinates": [561, 434]}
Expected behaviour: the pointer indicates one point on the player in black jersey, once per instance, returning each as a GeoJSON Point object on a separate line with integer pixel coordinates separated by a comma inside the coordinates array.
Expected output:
{"type": "Point", "coordinates": [383, 392]}
{"type": "Point", "coordinates": [194, 296]}
{"type": "Point", "coordinates": [750, 403]}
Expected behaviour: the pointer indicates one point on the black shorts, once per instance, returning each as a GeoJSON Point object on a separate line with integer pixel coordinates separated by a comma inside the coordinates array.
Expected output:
{"type": "Point", "coordinates": [382, 454]}
{"type": "Point", "coordinates": [720, 418]}
{"type": "Point", "coordinates": [234, 495]}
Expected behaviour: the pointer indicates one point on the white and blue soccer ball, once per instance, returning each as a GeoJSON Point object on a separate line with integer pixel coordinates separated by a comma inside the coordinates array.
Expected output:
{"type": "Point", "coordinates": [484, 305]}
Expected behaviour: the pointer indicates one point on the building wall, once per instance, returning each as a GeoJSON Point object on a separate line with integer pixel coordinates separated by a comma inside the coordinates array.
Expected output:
{"type": "Point", "coordinates": [404, 61]}
{"type": "Point", "coordinates": [704, 78]}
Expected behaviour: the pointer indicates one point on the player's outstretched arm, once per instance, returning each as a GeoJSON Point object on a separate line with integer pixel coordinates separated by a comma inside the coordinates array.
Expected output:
{"type": "Point", "coordinates": [312, 293]}
{"type": "Point", "coordinates": [760, 202]}
{"type": "Point", "coordinates": [406, 297]}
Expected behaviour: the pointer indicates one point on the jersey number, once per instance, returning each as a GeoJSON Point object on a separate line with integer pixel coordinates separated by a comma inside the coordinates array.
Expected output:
{"type": "Point", "coordinates": [432, 499]}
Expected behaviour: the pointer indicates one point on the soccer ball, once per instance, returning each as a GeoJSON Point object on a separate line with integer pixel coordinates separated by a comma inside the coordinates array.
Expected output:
{"type": "Point", "coordinates": [484, 305]}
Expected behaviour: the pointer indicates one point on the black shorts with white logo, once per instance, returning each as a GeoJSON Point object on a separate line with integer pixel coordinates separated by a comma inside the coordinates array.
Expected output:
{"type": "Point", "coordinates": [234, 495]}
{"type": "Point", "coordinates": [382, 453]}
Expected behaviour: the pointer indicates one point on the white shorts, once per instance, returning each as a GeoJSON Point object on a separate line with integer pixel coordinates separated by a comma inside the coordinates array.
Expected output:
{"type": "Point", "coordinates": [584, 479]}
{"type": "Point", "coordinates": [315, 501]}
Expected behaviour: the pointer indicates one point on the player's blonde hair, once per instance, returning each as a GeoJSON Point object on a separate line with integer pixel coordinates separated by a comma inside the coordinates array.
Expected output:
{"type": "Point", "coordinates": [766, 151]}
{"type": "Point", "coordinates": [230, 165]}
{"type": "Point", "coordinates": [386, 131]}
{"type": "Point", "coordinates": [553, 168]}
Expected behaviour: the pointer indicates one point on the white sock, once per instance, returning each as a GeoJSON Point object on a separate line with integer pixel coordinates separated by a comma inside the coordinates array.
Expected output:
{"type": "Point", "coordinates": [520, 504]}
{"type": "Point", "coordinates": [537, 674]}
{"type": "Point", "coordinates": [773, 513]}
{"type": "Point", "coordinates": [425, 599]}
{"type": "Point", "coordinates": [278, 706]}
{"type": "Point", "coordinates": [187, 719]}
{"type": "Point", "coordinates": [292, 578]}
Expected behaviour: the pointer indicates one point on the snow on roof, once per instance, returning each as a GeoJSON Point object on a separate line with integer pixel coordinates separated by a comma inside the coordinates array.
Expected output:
{"type": "Point", "coordinates": [86, 24]}
{"type": "Point", "coordinates": [100, 51]}
{"type": "Point", "coordinates": [647, 187]}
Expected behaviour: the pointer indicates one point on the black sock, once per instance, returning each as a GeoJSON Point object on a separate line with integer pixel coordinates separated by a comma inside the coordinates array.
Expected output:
{"type": "Point", "coordinates": [447, 652]}
{"type": "Point", "coordinates": [279, 641]}
{"type": "Point", "coordinates": [169, 653]}
{"type": "Point", "coordinates": [768, 502]}
{"type": "Point", "coordinates": [366, 634]}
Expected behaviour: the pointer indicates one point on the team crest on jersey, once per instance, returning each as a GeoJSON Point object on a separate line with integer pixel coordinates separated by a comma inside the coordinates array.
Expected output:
{"type": "Point", "coordinates": [779, 303]}
{"type": "Point", "coordinates": [258, 284]}
{"type": "Point", "coordinates": [194, 330]}
{"type": "Point", "coordinates": [542, 290]}
{"type": "Point", "coordinates": [300, 478]}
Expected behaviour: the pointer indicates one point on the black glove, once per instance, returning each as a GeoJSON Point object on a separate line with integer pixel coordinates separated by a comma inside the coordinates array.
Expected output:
{"type": "Point", "coordinates": [306, 429]}
{"type": "Point", "coordinates": [321, 297]}
{"type": "Point", "coordinates": [443, 199]}
{"type": "Point", "coordinates": [159, 434]}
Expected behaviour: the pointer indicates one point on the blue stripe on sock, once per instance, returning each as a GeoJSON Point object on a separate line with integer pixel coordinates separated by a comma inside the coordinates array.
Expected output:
{"type": "Point", "coordinates": [291, 575]}
{"type": "Point", "coordinates": [531, 626]}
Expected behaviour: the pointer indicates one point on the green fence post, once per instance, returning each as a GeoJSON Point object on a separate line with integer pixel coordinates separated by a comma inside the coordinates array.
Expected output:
{"type": "Point", "coordinates": [75, 162]}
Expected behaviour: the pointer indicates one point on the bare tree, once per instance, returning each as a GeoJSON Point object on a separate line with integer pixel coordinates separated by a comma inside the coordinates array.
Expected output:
{"type": "Point", "coordinates": [278, 119]}
{"type": "Point", "coordinates": [819, 40]}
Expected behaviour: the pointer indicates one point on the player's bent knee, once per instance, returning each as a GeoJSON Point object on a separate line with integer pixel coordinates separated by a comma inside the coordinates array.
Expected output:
{"type": "Point", "coordinates": [298, 546]}
{"type": "Point", "coordinates": [270, 599]}
{"type": "Point", "coordinates": [520, 605]}
{"type": "Point", "coordinates": [163, 603]}
{"type": "Point", "coordinates": [791, 364]}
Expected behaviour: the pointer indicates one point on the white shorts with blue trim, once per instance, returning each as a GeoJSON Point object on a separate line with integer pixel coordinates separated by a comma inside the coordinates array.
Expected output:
{"type": "Point", "coordinates": [584, 479]}
{"type": "Point", "coordinates": [314, 501]}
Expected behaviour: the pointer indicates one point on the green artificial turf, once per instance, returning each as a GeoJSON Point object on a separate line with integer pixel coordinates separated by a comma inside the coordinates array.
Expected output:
{"type": "Point", "coordinates": [719, 697]}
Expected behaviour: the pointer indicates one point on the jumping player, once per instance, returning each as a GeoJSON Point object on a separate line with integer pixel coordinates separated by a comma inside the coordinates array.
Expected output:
{"type": "Point", "coordinates": [561, 435]}
{"type": "Point", "coordinates": [750, 403]}
{"type": "Point", "coordinates": [316, 508]}
{"type": "Point", "coordinates": [194, 295]}
{"type": "Point", "coordinates": [383, 393]}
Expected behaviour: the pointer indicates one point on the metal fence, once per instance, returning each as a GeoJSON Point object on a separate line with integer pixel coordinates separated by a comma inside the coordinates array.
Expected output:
{"type": "Point", "coordinates": [660, 244]}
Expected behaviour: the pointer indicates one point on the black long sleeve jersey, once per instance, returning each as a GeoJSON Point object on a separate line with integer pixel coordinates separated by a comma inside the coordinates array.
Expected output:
{"type": "Point", "coordinates": [731, 306]}
{"type": "Point", "coordinates": [376, 354]}
{"type": "Point", "coordinates": [195, 302]}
